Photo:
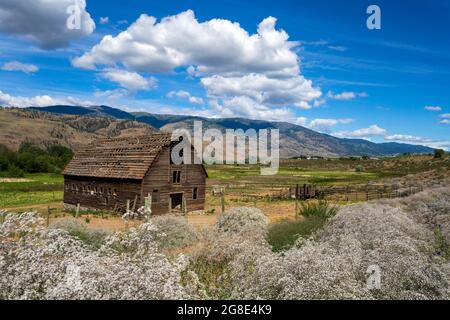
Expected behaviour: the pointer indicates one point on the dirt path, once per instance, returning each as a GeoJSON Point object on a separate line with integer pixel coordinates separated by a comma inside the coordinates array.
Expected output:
{"type": "Point", "coordinates": [14, 180]}
{"type": "Point", "coordinates": [275, 212]}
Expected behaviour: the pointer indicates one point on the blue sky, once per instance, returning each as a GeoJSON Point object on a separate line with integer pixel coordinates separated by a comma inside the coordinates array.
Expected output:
{"type": "Point", "coordinates": [326, 70]}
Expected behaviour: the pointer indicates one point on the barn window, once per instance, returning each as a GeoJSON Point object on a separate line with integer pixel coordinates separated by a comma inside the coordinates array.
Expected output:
{"type": "Point", "coordinates": [176, 176]}
{"type": "Point", "coordinates": [195, 193]}
{"type": "Point", "coordinates": [73, 186]}
{"type": "Point", "coordinates": [101, 190]}
{"type": "Point", "coordinates": [84, 188]}
{"type": "Point", "coordinates": [115, 192]}
{"type": "Point", "coordinates": [96, 190]}
{"type": "Point", "coordinates": [155, 196]}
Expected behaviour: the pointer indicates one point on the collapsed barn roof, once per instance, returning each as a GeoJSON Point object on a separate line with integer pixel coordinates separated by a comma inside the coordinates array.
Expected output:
{"type": "Point", "coordinates": [125, 158]}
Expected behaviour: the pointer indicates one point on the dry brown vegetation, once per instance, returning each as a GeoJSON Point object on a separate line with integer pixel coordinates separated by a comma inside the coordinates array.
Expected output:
{"type": "Point", "coordinates": [44, 129]}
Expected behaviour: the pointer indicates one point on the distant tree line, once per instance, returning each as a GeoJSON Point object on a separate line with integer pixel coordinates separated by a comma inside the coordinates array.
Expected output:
{"type": "Point", "coordinates": [30, 158]}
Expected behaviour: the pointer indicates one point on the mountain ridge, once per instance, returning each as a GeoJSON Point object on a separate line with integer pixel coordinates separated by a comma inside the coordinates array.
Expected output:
{"type": "Point", "coordinates": [295, 140]}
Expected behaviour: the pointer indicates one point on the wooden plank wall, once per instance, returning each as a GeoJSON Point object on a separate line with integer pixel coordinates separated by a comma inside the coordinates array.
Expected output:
{"type": "Point", "coordinates": [76, 190]}
{"type": "Point", "coordinates": [159, 178]}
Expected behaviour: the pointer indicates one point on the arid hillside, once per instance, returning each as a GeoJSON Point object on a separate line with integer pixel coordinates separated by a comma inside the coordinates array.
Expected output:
{"type": "Point", "coordinates": [44, 129]}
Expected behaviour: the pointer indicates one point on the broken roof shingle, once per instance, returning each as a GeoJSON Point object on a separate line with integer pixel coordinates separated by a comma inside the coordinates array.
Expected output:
{"type": "Point", "coordinates": [127, 158]}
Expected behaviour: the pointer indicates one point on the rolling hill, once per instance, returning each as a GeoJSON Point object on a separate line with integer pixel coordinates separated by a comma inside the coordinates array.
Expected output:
{"type": "Point", "coordinates": [295, 140]}
{"type": "Point", "coordinates": [72, 130]}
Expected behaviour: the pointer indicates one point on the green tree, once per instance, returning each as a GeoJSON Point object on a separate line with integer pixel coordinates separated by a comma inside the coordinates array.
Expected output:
{"type": "Point", "coordinates": [439, 153]}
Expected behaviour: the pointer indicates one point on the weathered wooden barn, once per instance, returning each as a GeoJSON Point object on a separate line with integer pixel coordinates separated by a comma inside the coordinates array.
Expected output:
{"type": "Point", "coordinates": [108, 172]}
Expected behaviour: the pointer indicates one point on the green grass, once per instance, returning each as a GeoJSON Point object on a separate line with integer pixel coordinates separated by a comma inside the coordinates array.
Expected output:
{"type": "Point", "coordinates": [42, 189]}
{"type": "Point", "coordinates": [25, 198]}
{"type": "Point", "coordinates": [39, 182]}
{"type": "Point", "coordinates": [286, 175]}
{"type": "Point", "coordinates": [284, 234]}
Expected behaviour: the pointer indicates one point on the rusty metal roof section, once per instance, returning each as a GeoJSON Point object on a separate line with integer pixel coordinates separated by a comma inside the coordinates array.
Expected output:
{"type": "Point", "coordinates": [126, 158]}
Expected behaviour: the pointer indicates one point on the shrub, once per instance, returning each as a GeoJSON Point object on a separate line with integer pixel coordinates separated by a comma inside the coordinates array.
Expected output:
{"type": "Point", "coordinates": [15, 172]}
{"type": "Point", "coordinates": [360, 168]}
{"type": "Point", "coordinates": [79, 230]}
{"type": "Point", "coordinates": [39, 263]}
{"type": "Point", "coordinates": [230, 262]}
{"type": "Point", "coordinates": [441, 245]}
{"type": "Point", "coordinates": [242, 220]}
{"type": "Point", "coordinates": [174, 232]}
{"type": "Point", "coordinates": [334, 265]}
{"type": "Point", "coordinates": [283, 235]}
{"type": "Point", "coordinates": [439, 153]}
{"type": "Point", "coordinates": [321, 209]}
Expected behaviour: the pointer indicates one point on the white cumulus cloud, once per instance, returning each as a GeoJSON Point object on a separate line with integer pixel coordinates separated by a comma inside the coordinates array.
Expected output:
{"type": "Point", "coordinates": [131, 81]}
{"type": "Point", "coordinates": [235, 67]}
{"type": "Point", "coordinates": [44, 21]}
{"type": "Point", "coordinates": [187, 96]}
{"type": "Point", "coordinates": [7, 100]}
{"type": "Point", "coordinates": [373, 130]}
{"type": "Point", "coordinates": [323, 123]}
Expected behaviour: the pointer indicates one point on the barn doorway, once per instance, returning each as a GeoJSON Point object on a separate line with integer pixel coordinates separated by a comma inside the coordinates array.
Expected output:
{"type": "Point", "coordinates": [177, 201]}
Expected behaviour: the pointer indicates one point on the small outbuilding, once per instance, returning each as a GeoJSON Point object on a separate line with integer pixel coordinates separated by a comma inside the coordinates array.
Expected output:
{"type": "Point", "coordinates": [109, 173]}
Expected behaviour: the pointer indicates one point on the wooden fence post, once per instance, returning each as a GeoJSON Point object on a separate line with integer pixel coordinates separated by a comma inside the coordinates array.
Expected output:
{"type": "Point", "coordinates": [128, 205]}
{"type": "Point", "coordinates": [77, 212]}
{"type": "Point", "coordinates": [222, 201]}
{"type": "Point", "coordinates": [48, 216]}
{"type": "Point", "coordinates": [184, 206]}
{"type": "Point", "coordinates": [134, 203]}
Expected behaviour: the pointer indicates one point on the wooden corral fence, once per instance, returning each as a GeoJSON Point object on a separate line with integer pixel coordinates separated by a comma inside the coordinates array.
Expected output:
{"type": "Point", "coordinates": [354, 193]}
{"type": "Point", "coordinates": [357, 193]}
{"type": "Point", "coordinates": [305, 191]}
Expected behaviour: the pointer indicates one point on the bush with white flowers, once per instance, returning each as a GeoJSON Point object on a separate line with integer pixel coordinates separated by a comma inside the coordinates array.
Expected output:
{"type": "Point", "coordinates": [40, 263]}
{"type": "Point", "coordinates": [407, 240]}
{"type": "Point", "coordinates": [242, 221]}
{"type": "Point", "coordinates": [174, 232]}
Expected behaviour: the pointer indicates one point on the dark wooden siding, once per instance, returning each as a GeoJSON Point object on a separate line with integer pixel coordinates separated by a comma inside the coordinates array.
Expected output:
{"type": "Point", "coordinates": [158, 177]}
{"type": "Point", "coordinates": [101, 193]}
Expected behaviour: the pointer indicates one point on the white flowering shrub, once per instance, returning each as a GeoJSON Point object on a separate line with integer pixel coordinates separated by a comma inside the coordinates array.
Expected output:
{"type": "Point", "coordinates": [250, 221]}
{"type": "Point", "coordinates": [78, 229]}
{"type": "Point", "coordinates": [174, 232]}
{"type": "Point", "coordinates": [140, 213]}
{"type": "Point", "coordinates": [233, 259]}
{"type": "Point", "coordinates": [335, 266]}
{"type": "Point", "coordinates": [40, 263]}
{"type": "Point", "coordinates": [432, 209]}
{"type": "Point", "coordinates": [238, 233]}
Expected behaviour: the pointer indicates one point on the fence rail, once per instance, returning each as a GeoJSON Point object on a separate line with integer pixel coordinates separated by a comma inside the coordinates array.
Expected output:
{"type": "Point", "coordinates": [355, 193]}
